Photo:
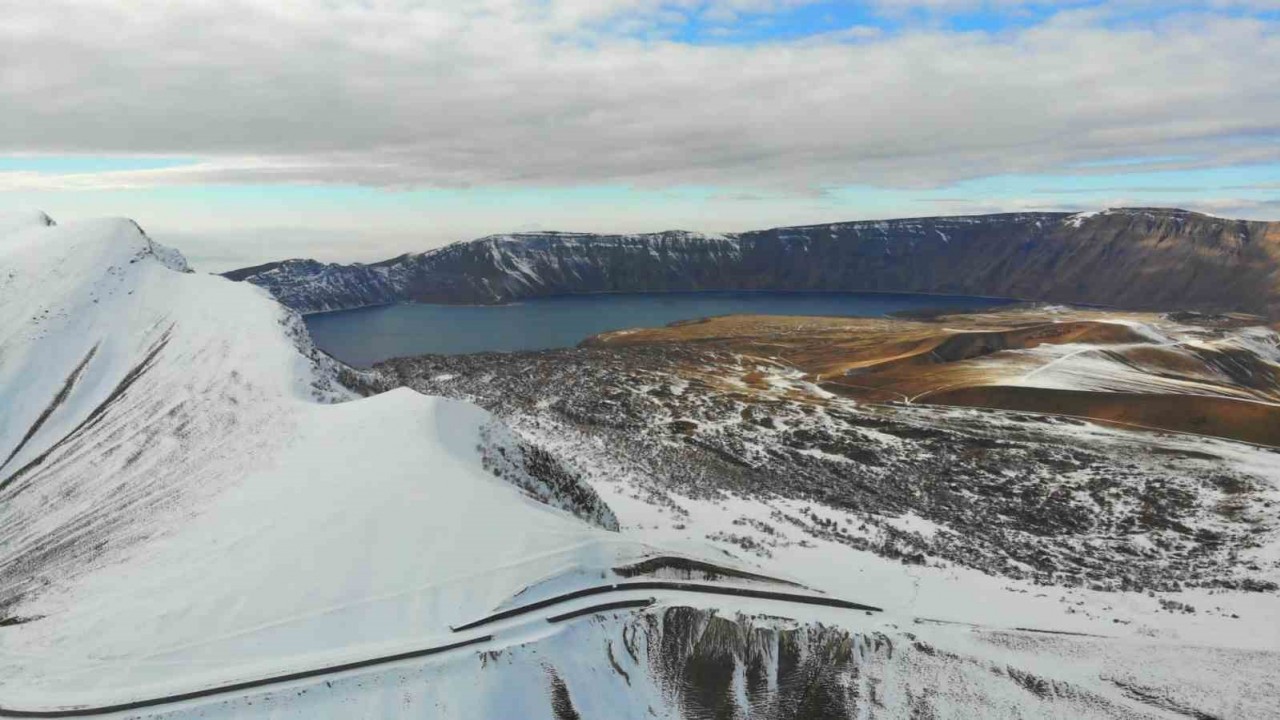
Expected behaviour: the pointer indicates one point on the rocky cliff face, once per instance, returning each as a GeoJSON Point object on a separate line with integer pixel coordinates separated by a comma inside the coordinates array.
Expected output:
{"type": "Point", "coordinates": [1134, 258]}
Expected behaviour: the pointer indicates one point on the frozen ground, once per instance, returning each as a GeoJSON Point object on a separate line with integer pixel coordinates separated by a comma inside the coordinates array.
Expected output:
{"type": "Point", "coordinates": [190, 497]}
{"type": "Point", "coordinates": [1055, 501]}
{"type": "Point", "coordinates": [964, 524]}
{"type": "Point", "coordinates": [187, 499]}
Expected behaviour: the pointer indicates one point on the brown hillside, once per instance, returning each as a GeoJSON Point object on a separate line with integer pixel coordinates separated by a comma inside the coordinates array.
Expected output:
{"type": "Point", "coordinates": [1198, 380]}
{"type": "Point", "coordinates": [1220, 417]}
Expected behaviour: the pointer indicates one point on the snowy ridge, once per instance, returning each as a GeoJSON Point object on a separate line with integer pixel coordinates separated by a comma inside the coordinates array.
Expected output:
{"type": "Point", "coordinates": [508, 267]}
{"type": "Point", "coordinates": [187, 497]}
{"type": "Point", "coordinates": [15, 221]}
{"type": "Point", "coordinates": [1134, 258]}
{"type": "Point", "coordinates": [191, 500]}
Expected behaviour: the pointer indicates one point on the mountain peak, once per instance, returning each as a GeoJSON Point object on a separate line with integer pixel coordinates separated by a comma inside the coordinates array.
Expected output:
{"type": "Point", "coordinates": [11, 221]}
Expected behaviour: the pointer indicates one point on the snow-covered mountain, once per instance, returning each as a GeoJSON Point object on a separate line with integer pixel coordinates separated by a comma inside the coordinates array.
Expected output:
{"type": "Point", "coordinates": [187, 497]}
{"type": "Point", "coordinates": [1134, 258]}
{"type": "Point", "coordinates": [199, 519]}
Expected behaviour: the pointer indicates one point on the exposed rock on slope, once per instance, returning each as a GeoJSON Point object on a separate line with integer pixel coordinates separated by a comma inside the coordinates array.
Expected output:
{"type": "Point", "coordinates": [1132, 258]}
{"type": "Point", "coordinates": [1052, 500]}
{"type": "Point", "coordinates": [685, 663]}
{"type": "Point", "coordinates": [189, 499]}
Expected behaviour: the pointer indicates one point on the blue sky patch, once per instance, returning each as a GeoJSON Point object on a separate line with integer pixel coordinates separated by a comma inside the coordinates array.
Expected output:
{"type": "Point", "coordinates": [704, 25]}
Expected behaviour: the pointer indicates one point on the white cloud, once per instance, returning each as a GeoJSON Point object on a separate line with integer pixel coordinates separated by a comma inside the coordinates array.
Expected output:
{"type": "Point", "coordinates": [403, 93]}
{"type": "Point", "coordinates": [954, 6]}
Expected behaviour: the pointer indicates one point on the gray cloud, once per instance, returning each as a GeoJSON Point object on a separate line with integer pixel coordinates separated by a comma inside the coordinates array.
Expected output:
{"type": "Point", "coordinates": [1154, 190]}
{"type": "Point", "coordinates": [1255, 186]}
{"type": "Point", "coordinates": [404, 93]}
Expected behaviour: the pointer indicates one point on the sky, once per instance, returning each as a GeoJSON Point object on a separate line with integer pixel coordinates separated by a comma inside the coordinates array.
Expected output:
{"type": "Point", "coordinates": [242, 131]}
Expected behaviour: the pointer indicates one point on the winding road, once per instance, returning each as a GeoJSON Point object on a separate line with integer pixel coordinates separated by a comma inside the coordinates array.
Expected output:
{"type": "Point", "coordinates": [533, 608]}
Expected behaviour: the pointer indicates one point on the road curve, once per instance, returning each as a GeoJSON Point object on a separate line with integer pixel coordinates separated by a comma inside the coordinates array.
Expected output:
{"type": "Point", "coordinates": [671, 586]}
{"type": "Point", "coordinates": [73, 712]}
{"type": "Point", "coordinates": [604, 607]}
{"type": "Point", "coordinates": [89, 711]}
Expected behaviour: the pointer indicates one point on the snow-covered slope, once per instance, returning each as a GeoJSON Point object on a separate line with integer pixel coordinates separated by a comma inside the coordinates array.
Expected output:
{"type": "Point", "coordinates": [190, 499]}
{"type": "Point", "coordinates": [1236, 363]}
{"type": "Point", "coordinates": [184, 502]}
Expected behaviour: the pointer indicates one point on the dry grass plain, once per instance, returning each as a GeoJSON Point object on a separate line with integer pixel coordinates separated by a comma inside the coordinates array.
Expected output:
{"type": "Point", "coordinates": [1208, 375]}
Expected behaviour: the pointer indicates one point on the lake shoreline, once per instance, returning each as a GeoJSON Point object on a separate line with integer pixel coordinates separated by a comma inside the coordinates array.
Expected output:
{"type": "Point", "coordinates": [364, 336]}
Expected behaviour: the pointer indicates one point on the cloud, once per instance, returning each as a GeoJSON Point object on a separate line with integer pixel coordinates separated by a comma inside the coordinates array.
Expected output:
{"type": "Point", "coordinates": [1256, 186]}
{"type": "Point", "coordinates": [230, 249]}
{"type": "Point", "coordinates": [1232, 207]}
{"type": "Point", "coordinates": [1154, 189]}
{"type": "Point", "coordinates": [961, 6]}
{"type": "Point", "coordinates": [1221, 206]}
{"type": "Point", "coordinates": [414, 93]}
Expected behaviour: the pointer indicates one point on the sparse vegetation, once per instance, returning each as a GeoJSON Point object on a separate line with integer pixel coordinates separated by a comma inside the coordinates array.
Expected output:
{"type": "Point", "coordinates": [1050, 499]}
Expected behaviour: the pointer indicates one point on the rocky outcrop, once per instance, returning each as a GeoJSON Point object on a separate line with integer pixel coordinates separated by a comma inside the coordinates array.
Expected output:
{"type": "Point", "coordinates": [697, 663]}
{"type": "Point", "coordinates": [1133, 258]}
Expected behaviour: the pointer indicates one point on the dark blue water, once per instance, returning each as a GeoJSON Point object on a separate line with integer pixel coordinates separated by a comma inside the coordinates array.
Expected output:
{"type": "Point", "coordinates": [368, 335]}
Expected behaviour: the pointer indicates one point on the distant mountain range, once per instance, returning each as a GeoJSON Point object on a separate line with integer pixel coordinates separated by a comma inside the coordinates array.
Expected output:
{"type": "Point", "coordinates": [1138, 258]}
